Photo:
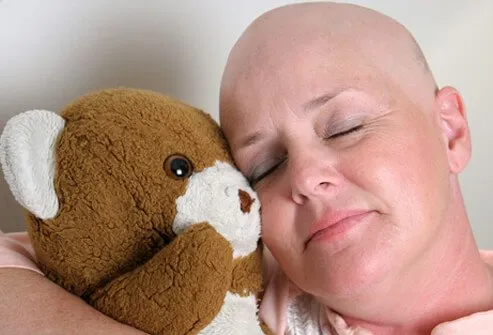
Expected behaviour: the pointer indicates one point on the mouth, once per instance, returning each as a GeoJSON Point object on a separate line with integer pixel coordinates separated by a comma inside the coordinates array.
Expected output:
{"type": "Point", "coordinates": [333, 225]}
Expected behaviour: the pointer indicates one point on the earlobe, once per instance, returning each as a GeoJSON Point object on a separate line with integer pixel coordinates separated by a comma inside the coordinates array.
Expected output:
{"type": "Point", "coordinates": [454, 125]}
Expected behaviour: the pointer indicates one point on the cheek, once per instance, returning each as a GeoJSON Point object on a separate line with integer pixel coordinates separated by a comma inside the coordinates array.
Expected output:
{"type": "Point", "coordinates": [277, 222]}
{"type": "Point", "coordinates": [406, 173]}
{"type": "Point", "coordinates": [271, 223]}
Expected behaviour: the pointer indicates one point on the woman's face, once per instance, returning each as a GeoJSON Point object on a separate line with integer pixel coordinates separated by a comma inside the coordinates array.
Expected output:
{"type": "Point", "coordinates": [351, 174]}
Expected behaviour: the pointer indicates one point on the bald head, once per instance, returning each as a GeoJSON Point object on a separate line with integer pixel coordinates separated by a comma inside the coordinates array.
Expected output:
{"type": "Point", "coordinates": [329, 107]}
{"type": "Point", "coordinates": [347, 36]}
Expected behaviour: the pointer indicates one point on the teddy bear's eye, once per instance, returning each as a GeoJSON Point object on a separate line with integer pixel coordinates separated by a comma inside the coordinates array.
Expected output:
{"type": "Point", "coordinates": [178, 166]}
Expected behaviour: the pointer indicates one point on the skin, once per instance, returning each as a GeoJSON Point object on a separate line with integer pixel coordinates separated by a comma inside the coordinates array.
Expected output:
{"type": "Point", "coordinates": [415, 263]}
{"type": "Point", "coordinates": [337, 111]}
{"type": "Point", "coordinates": [32, 304]}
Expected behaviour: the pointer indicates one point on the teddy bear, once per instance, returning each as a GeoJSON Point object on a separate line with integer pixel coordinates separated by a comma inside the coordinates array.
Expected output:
{"type": "Point", "coordinates": [133, 203]}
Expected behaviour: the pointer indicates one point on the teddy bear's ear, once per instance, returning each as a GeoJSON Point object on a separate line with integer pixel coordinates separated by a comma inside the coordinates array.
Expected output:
{"type": "Point", "coordinates": [27, 156]}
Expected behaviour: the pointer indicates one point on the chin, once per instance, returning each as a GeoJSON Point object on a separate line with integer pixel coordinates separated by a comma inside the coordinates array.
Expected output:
{"type": "Point", "coordinates": [346, 275]}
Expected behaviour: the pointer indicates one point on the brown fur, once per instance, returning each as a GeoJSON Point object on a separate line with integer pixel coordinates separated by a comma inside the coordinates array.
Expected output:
{"type": "Point", "coordinates": [247, 279]}
{"type": "Point", "coordinates": [112, 242]}
{"type": "Point", "coordinates": [204, 275]}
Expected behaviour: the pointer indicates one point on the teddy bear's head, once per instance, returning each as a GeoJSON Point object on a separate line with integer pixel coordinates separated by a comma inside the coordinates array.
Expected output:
{"type": "Point", "coordinates": [113, 179]}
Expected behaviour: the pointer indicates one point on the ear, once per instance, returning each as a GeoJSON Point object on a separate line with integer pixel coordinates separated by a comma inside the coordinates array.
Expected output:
{"type": "Point", "coordinates": [452, 117]}
{"type": "Point", "coordinates": [27, 156]}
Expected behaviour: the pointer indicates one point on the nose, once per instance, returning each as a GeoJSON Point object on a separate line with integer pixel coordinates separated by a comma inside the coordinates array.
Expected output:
{"type": "Point", "coordinates": [312, 176]}
{"type": "Point", "coordinates": [245, 201]}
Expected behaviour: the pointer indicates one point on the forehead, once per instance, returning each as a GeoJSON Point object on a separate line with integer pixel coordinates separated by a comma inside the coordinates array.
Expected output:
{"type": "Point", "coordinates": [285, 79]}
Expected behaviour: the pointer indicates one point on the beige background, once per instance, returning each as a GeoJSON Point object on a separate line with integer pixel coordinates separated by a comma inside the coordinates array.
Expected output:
{"type": "Point", "coordinates": [53, 51]}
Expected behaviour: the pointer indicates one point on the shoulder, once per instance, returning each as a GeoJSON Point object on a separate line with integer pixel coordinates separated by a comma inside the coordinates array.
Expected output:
{"type": "Point", "coordinates": [480, 323]}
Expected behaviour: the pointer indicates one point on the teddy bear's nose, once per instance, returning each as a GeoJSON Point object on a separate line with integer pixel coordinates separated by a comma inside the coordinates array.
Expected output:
{"type": "Point", "coordinates": [245, 201]}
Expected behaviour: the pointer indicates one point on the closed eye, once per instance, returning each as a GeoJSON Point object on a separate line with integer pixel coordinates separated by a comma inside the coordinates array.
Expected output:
{"type": "Point", "coordinates": [344, 133]}
{"type": "Point", "coordinates": [253, 179]}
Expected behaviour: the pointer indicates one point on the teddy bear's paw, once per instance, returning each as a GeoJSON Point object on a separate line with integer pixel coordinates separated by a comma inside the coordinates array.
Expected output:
{"type": "Point", "coordinates": [238, 316]}
{"type": "Point", "coordinates": [221, 196]}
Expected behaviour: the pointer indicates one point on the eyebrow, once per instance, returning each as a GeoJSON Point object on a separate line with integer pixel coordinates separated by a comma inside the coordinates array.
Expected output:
{"type": "Point", "coordinates": [250, 139]}
{"type": "Point", "coordinates": [308, 106]}
{"type": "Point", "coordinates": [320, 100]}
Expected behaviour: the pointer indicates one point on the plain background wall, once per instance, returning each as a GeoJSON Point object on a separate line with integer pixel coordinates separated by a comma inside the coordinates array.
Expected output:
{"type": "Point", "coordinates": [53, 51]}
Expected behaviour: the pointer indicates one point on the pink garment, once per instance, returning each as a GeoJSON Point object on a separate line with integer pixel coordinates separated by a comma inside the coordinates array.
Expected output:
{"type": "Point", "coordinates": [277, 305]}
{"type": "Point", "coordinates": [16, 251]}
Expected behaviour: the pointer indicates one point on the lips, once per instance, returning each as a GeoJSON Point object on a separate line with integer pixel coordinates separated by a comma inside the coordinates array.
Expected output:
{"type": "Point", "coordinates": [336, 222]}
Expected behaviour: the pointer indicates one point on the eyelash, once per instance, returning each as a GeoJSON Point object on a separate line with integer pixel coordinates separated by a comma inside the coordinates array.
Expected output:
{"type": "Point", "coordinates": [343, 133]}
{"type": "Point", "coordinates": [254, 181]}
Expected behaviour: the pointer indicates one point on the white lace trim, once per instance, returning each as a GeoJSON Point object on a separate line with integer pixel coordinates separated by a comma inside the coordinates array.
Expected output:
{"type": "Point", "coordinates": [306, 316]}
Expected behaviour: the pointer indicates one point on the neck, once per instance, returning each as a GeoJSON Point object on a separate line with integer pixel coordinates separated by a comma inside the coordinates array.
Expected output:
{"type": "Point", "coordinates": [449, 281]}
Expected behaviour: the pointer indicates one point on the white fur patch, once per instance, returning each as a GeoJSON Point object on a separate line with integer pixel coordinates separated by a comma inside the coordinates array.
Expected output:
{"type": "Point", "coordinates": [237, 316]}
{"type": "Point", "coordinates": [212, 196]}
{"type": "Point", "coordinates": [27, 156]}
